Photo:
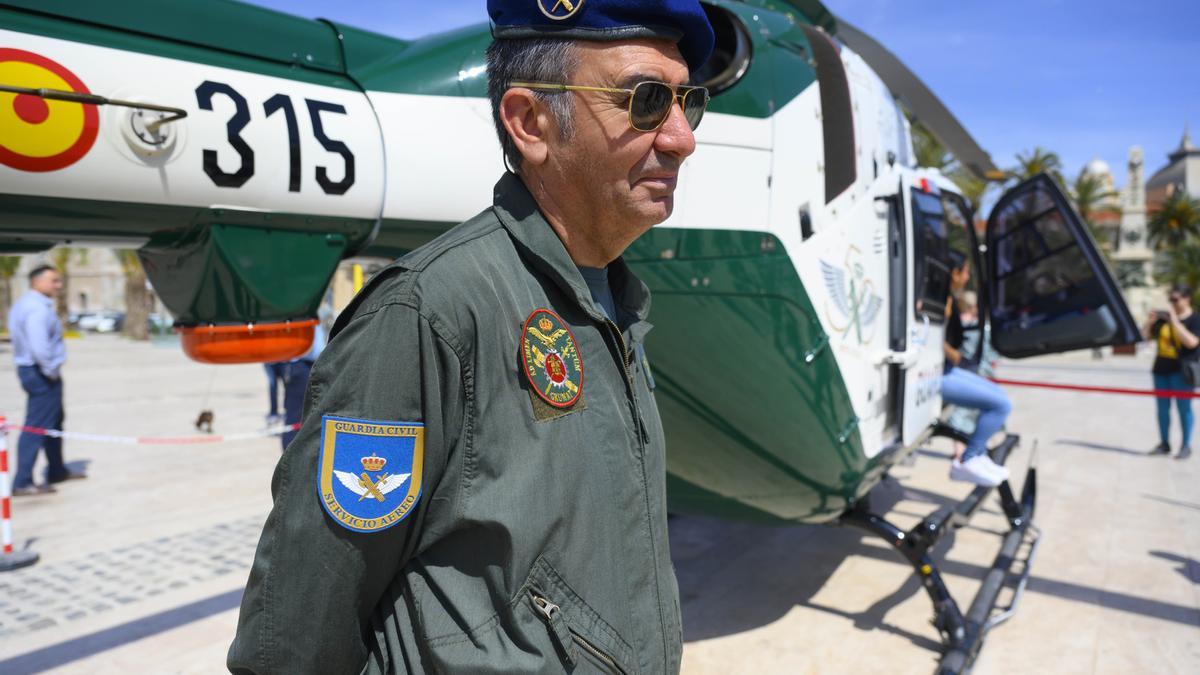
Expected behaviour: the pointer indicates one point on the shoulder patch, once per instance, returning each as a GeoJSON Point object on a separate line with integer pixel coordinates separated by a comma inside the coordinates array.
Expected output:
{"type": "Point", "coordinates": [370, 471]}
{"type": "Point", "coordinates": [550, 359]}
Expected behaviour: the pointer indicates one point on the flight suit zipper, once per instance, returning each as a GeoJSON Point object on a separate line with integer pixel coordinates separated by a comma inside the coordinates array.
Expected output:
{"type": "Point", "coordinates": [644, 442]}
{"type": "Point", "coordinates": [624, 352]}
{"type": "Point", "coordinates": [563, 633]}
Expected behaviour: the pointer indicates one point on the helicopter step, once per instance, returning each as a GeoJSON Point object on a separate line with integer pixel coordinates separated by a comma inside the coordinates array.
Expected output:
{"type": "Point", "coordinates": [963, 633]}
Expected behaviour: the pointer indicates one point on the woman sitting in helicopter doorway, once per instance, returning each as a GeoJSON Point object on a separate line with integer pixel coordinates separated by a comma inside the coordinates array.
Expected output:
{"type": "Point", "coordinates": [962, 387]}
{"type": "Point", "coordinates": [1175, 333]}
{"type": "Point", "coordinates": [976, 343]}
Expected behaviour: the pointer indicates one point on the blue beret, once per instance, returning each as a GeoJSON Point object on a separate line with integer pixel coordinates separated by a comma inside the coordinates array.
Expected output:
{"type": "Point", "coordinates": [681, 21]}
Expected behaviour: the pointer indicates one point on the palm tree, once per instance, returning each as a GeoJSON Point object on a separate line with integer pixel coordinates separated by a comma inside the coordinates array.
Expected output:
{"type": "Point", "coordinates": [1038, 161]}
{"type": "Point", "coordinates": [973, 188]}
{"type": "Point", "coordinates": [1182, 265]}
{"type": "Point", "coordinates": [1174, 222]}
{"type": "Point", "coordinates": [927, 149]}
{"type": "Point", "coordinates": [138, 299]}
{"type": "Point", "coordinates": [1090, 196]}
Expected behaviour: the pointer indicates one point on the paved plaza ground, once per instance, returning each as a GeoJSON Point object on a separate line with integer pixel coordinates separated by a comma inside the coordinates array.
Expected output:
{"type": "Point", "coordinates": [142, 565]}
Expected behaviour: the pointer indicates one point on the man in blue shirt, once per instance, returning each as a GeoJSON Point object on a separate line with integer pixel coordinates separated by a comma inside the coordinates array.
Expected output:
{"type": "Point", "coordinates": [39, 354]}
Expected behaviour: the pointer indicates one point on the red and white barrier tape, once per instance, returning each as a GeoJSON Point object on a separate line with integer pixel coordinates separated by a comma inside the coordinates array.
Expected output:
{"type": "Point", "coordinates": [6, 535]}
{"type": "Point", "coordinates": [1159, 393]}
{"type": "Point", "coordinates": [155, 440]}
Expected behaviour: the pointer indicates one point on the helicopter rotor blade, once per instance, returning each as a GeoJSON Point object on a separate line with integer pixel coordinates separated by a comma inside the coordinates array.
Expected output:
{"type": "Point", "coordinates": [921, 103]}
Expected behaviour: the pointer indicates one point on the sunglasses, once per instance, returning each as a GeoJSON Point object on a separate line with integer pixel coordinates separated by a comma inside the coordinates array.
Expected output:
{"type": "Point", "coordinates": [649, 102]}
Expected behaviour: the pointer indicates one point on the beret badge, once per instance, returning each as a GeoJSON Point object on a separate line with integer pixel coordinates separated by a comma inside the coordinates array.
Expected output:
{"type": "Point", "coordinates": [561, 9]}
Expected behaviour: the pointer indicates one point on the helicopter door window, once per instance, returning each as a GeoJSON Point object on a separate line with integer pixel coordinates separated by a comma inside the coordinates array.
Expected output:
{"type": "Point", "coordinates": [958, 231]}
{"type": "Point", "coordinates": [931, 269]}
{"type": "Point", "coordinates": [963, 239]}
{"type": "Point", "coordinates": [1051, 290]}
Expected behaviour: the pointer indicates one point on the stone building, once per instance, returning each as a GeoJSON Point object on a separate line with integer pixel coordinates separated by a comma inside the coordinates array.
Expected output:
{"type": "Point", "coordinates": [95, 282]}
{"type": "Point", "coordinates": [1132, 257]}
{"type": "Point", "coordinates": [1181, 173]}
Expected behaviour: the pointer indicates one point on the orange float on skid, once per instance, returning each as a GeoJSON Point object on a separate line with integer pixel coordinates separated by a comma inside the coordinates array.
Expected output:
{"type": "Point", "coordinates": [248, 343]}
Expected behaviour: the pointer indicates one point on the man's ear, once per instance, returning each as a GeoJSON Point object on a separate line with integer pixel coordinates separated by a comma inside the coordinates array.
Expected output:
{"type": "Point", "coordinates": [528, 124]}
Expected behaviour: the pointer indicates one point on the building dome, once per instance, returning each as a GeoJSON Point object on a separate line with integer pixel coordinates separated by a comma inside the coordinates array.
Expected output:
{"type": "Point", "coordinates": [1182, 174]}
{"type": "Point", "coordinates": [1097, 167]}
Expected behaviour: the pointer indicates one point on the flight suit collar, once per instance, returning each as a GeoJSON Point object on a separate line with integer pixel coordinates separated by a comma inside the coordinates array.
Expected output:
{"type": "Point", "coordinates": [519, 213]}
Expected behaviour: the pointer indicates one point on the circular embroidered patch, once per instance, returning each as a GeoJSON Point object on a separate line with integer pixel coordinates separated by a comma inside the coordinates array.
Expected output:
{"type": "Point", "coordinates": [551, 360]}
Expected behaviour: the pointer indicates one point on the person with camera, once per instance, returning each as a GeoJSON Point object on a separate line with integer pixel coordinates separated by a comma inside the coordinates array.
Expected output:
{"type": "Point", "coordinates": [1176, 332]}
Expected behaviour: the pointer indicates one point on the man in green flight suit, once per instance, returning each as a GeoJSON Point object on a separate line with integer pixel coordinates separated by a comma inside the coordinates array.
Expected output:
{"type": "Point", "coordinates": [479, 482]}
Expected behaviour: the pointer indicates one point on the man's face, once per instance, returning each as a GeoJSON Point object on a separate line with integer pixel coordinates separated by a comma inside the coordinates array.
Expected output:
{"type": "Point", "coordinates": [625, 177]}
{"type": "Point", "coordinates": [48, 283]}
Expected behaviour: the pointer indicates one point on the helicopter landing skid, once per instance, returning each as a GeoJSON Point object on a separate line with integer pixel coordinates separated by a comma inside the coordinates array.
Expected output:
{"type": "Point", "coordinates": [963, 634]}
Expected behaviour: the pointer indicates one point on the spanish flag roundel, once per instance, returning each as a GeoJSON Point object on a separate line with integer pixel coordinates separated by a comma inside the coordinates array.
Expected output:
{"type": "Point", "coordinates": [38, 134]}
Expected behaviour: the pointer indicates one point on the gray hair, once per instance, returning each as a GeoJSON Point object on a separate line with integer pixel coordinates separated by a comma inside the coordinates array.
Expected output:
{"type": "Point", "coordinates": [534, 60]}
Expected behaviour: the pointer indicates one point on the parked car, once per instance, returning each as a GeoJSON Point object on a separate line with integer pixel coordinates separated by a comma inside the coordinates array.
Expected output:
{"type": "Point", "coordinates": [107, 321]}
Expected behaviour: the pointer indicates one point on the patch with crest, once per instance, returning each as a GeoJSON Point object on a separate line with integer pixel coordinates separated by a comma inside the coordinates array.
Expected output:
{"type": "Point", "coordinates": [370, 471]}
{"type": "Point", "coordinates": [551, 360]}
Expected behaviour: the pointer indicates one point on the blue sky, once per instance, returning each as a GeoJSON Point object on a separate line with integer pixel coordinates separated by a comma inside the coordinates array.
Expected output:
{"type": "Point", "coordinates": [1081, 77]}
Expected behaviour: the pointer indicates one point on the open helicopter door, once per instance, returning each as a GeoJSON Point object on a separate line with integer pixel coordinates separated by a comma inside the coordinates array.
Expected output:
{"type": "Point", "coordinates": [919, 286]}
{"type": "Point", "coordinates": [1047, 287]}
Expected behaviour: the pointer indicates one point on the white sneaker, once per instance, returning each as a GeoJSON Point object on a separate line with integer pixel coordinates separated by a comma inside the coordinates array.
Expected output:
{"type": "Point", "coordinates": [998, 470]}
{"type": "Point", "coordinates": [974, 470]}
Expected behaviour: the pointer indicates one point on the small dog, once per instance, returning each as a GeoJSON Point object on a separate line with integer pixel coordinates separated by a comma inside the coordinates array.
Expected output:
{"type": "Point", "coordinates": [205, 421]}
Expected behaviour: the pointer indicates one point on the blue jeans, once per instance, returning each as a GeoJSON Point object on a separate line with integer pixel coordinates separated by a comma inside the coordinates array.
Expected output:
{"type": "Point", "coordinates": [1187, 420]}
{"type": "Point", "coordinates": [968, 390]}
{"type": "Point", "coordinates": [295, 382]}
{"type": "Point", "coordinates": [963, 419]}
{"type": "Point", "coordinates": [275, 373]}
{"type": "Point", "coordinates": [44, 410]}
